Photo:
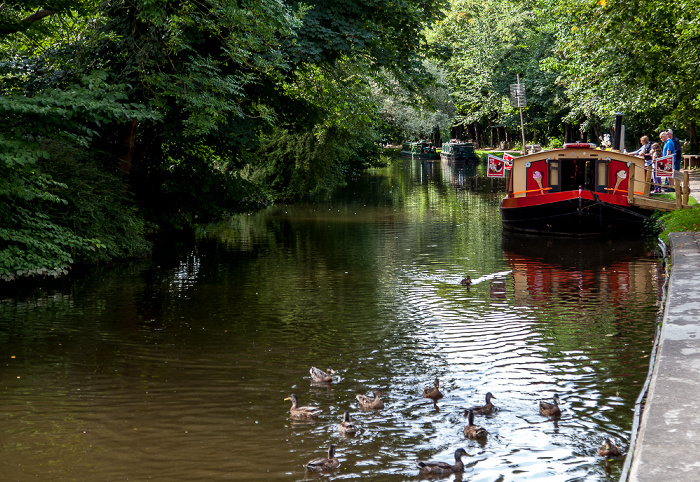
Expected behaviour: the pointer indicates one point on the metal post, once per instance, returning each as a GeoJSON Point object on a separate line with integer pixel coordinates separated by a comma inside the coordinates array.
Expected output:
{"type": "Point", "coordinates": [522, 126]}
{"type": "Point", "coordinates": [617, 135]}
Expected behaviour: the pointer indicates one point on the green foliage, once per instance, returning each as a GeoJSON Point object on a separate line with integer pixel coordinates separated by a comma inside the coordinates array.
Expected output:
{"type": "Point", "coordinates": [418, 114]}
{"type": "Point", "coordinates": [640, 58]}
{"type": "Point", "coordinates": [381, 34]}
{"type": "Point", "coordinates": [31, 243]}
{"type": "Point", "coordinates": [192, 185]}
{"type": "Point", "coordinates": [679, 221]}
{"type": "Point", "coordinates": [200, 104]}
{"type": "Point", "coordinates": [299, 165]}
{"type": "Point", "coordinates": [95, 202]}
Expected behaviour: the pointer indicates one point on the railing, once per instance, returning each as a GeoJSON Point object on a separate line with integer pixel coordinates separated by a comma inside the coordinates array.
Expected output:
{"type": "Point", "coordinates": [681, 182]}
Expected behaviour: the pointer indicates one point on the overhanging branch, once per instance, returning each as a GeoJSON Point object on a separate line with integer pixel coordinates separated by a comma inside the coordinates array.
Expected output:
{"type": "Point", "coordinates": [38, 15]}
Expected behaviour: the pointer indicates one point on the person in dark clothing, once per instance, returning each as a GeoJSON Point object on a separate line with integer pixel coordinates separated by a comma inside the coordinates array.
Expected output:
{"type": "Point", "coordinates": [677, 144]}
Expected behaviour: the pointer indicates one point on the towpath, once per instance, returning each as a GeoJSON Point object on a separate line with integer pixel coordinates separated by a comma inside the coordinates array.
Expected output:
{"type": "Point", "coordinates": [667, 446]}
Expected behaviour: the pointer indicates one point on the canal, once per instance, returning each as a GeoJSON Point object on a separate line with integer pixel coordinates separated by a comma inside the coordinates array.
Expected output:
{"type": "Point", "coordinates": [177, 368]}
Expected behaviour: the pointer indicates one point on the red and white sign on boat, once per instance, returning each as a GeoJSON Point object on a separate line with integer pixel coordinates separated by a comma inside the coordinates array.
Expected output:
{"type": "Point", "coordinates": [664, 166]}
{"type": "Point", "coordinates": [496, 167]}
{"type": "Point", "coordinates": [508, 159]}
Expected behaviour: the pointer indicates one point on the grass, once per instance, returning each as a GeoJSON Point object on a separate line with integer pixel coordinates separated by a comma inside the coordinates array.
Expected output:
{"type": "Point", "coordinates": [681, 220]}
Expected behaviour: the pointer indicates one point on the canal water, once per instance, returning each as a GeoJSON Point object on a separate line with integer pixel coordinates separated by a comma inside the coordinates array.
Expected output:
{"type": "Point", "coordinates": [177, 368]}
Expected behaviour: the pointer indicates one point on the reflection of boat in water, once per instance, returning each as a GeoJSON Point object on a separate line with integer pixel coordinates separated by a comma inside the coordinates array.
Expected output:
{"type": "Point", "coordinates": [574, 253]}
{"type": "Point", "coordinates": [605, 268]}
{"type": "Point", "coordinates": [458, 152]}
{"type": "Point", "coordinates": [419, 150]}
{"type": "Point", "coordinates": [577, 190]}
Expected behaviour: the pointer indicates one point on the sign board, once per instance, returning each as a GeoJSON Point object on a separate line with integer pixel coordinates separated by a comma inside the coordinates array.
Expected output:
{"type": "Point", "coordinates": [508, 159]}
{"type": "Point", "coordinates": [496, 167]}
{"type": "Point", "coordinates": [517, 95]}
{"type": "Point", "coordinates": [663, 166]}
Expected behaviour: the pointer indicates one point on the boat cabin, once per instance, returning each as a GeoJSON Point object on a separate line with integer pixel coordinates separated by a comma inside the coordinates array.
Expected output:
{"type": "Point", "coordinates": [573, 168]}
{"type": "Point", "coordinates": [458, 151]}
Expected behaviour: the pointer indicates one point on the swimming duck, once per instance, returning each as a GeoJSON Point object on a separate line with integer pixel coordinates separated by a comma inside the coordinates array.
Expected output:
{"type": "Point", "coordinates": [302, 412]}
{"type": "Point", "coordinates": [484, 409]}
{"type": "Point", "coordinates": [609, 449]}
{"type": "Point", "coordinates": [366, 402]}
{"type": "Point", "coordinates": [466, 281]}
{"type": "Point", "coordinates": [550, 409]}
{"type": "Point", "coordinates": [444, 467]}
{"type": "Point", "coordinates": [346, 426]}
{"type": "Point", "coordinates": [433, 392]}
{"type": "Point", "coordinates": [474, 431]}
{"type": "Point", "coordinates": [319, 376]}
{"type": "Point", "coordinates": [324, 464]}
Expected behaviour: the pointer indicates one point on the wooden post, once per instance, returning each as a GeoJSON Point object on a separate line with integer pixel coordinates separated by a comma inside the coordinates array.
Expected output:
{"type": "Point", "coordinates": [647, 181]}
{"type": "Point", "coordinates": [679, 193]}
{"type": "Point", "coordinates": [686, 187]}
{"type": "Point", "coordinates": [630, 184]}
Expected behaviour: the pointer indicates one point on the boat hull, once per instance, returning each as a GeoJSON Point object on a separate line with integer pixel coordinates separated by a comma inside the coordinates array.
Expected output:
{"type": "Point", "coordinates": [573, 213]}
{"type": "Point", "coordinates": [422, 155]}
{"type": "Point", "coordinates": [458, 157]}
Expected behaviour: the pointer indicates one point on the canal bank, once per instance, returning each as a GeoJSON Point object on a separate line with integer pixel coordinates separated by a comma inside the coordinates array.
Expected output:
{"type": "Point", "coordinates": [669, 431]}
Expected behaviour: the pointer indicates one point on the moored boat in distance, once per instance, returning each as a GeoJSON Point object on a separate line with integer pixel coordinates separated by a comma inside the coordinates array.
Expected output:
{"type": "Point", "coordinates": [419, 150]}
{"type": "Point", "coordinates": [577, 191]}
{"type": "Point", "coordinates": [458, 152]}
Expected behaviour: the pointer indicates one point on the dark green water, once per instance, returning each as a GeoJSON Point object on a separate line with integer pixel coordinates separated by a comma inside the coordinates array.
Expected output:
{"type": "Point", "coordinates": [177, 368]}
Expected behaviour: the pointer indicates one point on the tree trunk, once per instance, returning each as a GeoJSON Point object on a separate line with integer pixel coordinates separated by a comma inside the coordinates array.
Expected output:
{"type": "Point", "coordinates": [693, 139]}
{"type": "Point", "coordinates": [125, 151]}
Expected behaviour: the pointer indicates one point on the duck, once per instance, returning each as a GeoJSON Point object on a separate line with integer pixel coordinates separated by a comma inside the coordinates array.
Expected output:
{"type": "Point", "coordinates": [466, 281]}
{"type": "Point", "coordinates": [346, 427]}
{"type": "Point", "coordinates": [609, 449]}
{"type": "Point", "coordinates": [550, 409]}
{"type": "Point", "coordinates": [484, 409]}
{"type": "Point", "coordinates": [443, 467]}
{"type": "Point", "coordinates": [474, 431]}
{"type": "Point", "coordinates": [323, 464]}
{"type": "Point", "coordinates": [319, 376]}
{"type": "Point", "coordinates": [302, 412]}
{"type": "Point", "coordinates": [433, 392]}
{"type": "Point", "coordinates": [366, 402]}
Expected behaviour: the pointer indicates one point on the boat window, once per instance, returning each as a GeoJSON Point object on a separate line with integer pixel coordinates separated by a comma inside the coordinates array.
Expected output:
{"type": "Point", "coordinates": [601, 175]}
{"type": "Point", "coordinates": [554, 176]}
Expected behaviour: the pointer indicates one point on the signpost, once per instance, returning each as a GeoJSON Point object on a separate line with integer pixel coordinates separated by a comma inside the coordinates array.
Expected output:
{"type": "Point", "coordinates": [519, 99]}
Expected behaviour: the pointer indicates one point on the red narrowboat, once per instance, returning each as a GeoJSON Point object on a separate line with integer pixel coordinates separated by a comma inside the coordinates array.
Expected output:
{"type": "Point", "coordinates": [576, 191]}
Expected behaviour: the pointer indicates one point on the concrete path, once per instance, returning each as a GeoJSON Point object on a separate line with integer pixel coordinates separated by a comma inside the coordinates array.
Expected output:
{"type": "Point", "coordinates": [695, 184]}
{"type": "Point", "coordinates": [668, 443]}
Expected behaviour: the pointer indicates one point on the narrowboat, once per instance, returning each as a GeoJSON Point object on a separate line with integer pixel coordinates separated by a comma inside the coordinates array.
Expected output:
{"type": "Point", "coordinates": [577, 191]}
{"type": "Point", "coordinates": [419, 150]}
{"type": "Point", "coordinates": [458, 152]}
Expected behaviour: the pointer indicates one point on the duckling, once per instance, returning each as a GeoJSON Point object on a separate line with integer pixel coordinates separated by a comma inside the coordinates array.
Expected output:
{"type": "Point", "coordinates": [609, 449]}
{"type": "Point", "coordinates": [550, 409]}
{"type": "Point", "coordinates": [484, 409]}
{"type": "Point", "coordinates": [346, 427]}
{"type": "Point", "coordinates": [302, 412]}
{"type": "Point", "coordinates": [444, 467]}
{"type": "Point", "coordinates": [324, 464]}
{"type": "Point", "coordinates": [474, 431]}
{"type": "Point", "coordinates": [466, 281]}
{"type": "Point", "coordinates": [319, 376]}
{"type": "Point", "coordinates": [366, 402]}
{"type": "Point", "coordinates": [433, 392]}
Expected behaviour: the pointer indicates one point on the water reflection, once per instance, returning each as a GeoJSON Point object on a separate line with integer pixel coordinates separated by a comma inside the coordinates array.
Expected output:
{"type": "Point", "coordinates": [178, 369]}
